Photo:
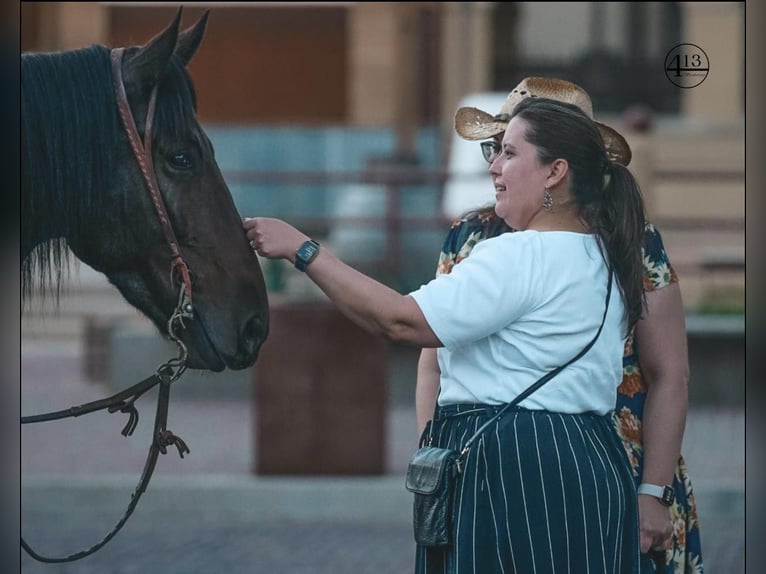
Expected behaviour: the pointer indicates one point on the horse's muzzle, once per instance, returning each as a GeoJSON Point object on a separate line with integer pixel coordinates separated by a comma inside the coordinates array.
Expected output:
{"type": "Point", "coordinates": [207, 350]}
{"type": "Point", "coordinates": [254, 333]}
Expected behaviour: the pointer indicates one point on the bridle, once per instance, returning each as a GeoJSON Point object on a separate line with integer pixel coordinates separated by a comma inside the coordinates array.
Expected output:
{"type": "Point", "coordinates": [143, 155]}
{"type": "Point", "coordinates": [169, 371]}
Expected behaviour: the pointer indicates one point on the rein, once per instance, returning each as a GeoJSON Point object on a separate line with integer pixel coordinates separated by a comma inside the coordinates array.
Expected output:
{"type": "Point", "coordinates": [168, 372]}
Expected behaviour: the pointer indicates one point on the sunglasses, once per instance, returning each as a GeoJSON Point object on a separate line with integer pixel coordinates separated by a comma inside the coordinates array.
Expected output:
{"type": "Point", "coordinates": [490, 150]}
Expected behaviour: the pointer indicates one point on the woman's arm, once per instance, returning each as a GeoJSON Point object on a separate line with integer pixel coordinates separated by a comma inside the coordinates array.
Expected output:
{"type": "Point", "coordinates": [662, 351]}
{"type": "Point", "coordinates": [427, 387]}
{"type": "Point", "coordinates": [371, 305]}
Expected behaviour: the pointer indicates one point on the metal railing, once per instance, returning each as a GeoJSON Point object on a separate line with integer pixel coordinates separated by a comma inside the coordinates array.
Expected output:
{"type": "Point", "coordinates": [393, 221]}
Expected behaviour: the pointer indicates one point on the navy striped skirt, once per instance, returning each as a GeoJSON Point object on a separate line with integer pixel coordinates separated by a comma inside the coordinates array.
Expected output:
{"type": "Point", "coordinates": [540, 492]}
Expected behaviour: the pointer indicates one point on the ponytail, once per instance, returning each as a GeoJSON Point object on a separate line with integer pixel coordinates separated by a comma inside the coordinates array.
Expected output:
{"type": "Point", "coordinates": [620, 222]}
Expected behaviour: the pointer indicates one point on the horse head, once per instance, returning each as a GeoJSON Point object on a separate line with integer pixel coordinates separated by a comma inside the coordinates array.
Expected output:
{"type": "Point", "coordinates": [125, 239]}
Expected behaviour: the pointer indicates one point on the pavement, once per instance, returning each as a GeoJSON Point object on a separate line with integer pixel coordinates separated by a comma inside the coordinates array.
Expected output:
{"type": "Point", "coordinates": [209, 513]}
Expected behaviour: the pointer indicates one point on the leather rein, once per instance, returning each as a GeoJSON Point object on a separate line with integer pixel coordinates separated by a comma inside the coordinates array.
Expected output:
{"type": "Point", "coordinates": [169, 371]}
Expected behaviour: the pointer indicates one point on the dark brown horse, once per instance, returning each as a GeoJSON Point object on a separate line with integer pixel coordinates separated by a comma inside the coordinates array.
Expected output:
{"type": "Point", "coordinates": [85, 189]}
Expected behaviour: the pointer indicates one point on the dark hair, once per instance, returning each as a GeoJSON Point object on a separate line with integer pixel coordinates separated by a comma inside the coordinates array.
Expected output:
{"type": "Point", "coordinates": [606, 193]}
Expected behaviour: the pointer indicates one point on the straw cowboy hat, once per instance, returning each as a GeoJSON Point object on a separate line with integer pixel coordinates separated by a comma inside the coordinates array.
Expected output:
{"type": "Point", "coordinates": [474, 124]}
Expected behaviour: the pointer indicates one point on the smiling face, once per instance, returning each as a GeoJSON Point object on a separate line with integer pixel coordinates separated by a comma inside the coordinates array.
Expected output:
{"type": "Point", "coordinates": [519, 177]}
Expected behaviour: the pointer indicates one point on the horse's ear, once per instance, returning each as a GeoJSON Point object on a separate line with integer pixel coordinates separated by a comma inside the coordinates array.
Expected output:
{"type": "Point", "coordinates": [190, 39]}
{"type": "Point", "coordinates": [147, 66]}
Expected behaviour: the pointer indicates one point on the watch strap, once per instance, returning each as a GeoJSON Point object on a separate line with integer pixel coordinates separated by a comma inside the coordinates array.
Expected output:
{"type": "Point", "coordinates": [664, 493]}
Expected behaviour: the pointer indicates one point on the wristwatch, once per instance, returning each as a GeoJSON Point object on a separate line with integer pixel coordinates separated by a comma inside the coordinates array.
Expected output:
{"type": "Point", "coordinates": [665, 494]}
{"type": "Point", "coordinates": [306, 254]}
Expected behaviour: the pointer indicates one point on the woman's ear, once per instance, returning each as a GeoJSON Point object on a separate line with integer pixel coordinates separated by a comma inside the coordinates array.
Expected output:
{"type": "Point", "coordinates": [559, 171]}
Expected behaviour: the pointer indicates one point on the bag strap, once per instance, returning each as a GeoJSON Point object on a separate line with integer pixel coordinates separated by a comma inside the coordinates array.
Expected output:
{"type": "Point", "coordinates": [537, 384]}
{"type": "Point", "coordinates": [544, 379]}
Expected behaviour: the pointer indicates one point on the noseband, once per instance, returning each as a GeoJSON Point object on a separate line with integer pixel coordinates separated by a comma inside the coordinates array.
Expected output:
{"type": "Point", "coordinates": [169, 371]}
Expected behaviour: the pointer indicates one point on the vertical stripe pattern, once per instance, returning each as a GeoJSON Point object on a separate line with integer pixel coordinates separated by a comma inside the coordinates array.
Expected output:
{"type": "Point", "coordinates": [540, 492]}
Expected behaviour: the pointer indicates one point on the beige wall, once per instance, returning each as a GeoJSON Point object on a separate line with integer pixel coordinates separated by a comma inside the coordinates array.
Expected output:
{"type": "Point", "coordinates": [383, 67]}
{"type": "Point", "coordinates": [55, 26]}
{"type": "Point", "coordinates": [717, 28]}
{"type": "Point", "coordinates": [466, 55]}
{"type": "Point", "coordinates": [382, 44]}
{"type": "Point", "coordinates": [371, 58]}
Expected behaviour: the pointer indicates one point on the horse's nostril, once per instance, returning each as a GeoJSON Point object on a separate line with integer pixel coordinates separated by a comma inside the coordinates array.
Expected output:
{"type": "Point", "coordinates": [253, 334]}
{"type": "Point", "coordinates": [254, 326]}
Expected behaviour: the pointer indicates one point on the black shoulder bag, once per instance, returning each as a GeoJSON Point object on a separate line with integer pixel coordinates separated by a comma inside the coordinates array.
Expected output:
{"type": "Point", "coordinates": [433, 471]}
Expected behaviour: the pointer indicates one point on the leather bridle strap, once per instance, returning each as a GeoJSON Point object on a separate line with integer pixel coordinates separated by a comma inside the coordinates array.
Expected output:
{"type": "Point", "coordinates": [161, 439]}
{"type": "Point", "coordinates": [143, 153]}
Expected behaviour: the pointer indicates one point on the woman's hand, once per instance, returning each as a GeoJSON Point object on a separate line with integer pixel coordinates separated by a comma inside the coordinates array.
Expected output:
{"type": "Point", "coordinates": [375, 307]}
{"type": "Point", "coordinates": [273, 238]}
{"type": "Point", "coordinates": [655, 524]}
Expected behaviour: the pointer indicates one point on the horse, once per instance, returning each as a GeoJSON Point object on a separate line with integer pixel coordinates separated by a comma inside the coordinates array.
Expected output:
{"type": "Point", "coordinates": [117, 170]}
{"type": "Point", "coordinates": [86, 166]}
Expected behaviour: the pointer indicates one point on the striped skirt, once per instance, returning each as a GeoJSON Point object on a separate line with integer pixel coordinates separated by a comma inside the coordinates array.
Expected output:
{"type": "Point", "coordinates": [540, 492]}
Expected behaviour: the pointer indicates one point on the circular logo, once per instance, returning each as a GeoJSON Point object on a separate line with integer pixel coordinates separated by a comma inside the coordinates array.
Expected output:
{"type": "Point", "coordinates": [686, 65]}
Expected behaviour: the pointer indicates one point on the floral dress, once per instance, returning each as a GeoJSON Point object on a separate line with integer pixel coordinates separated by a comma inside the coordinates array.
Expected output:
{"type": "Point", "coordinates": [685, 556]}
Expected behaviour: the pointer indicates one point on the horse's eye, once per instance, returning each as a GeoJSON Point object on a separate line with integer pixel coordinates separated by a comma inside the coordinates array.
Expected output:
{"type": "Point", "coordinates": [181, 160]}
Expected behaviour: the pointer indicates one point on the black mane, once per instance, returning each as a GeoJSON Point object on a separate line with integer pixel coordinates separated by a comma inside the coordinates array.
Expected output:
{"type": "Point", "coordinates": [69, 127]}
{"type": "Point", "coordinates": [70, 142]}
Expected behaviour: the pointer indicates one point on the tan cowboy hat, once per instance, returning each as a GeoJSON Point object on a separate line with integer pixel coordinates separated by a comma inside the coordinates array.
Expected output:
{"type": "Point", "coordinates": [474, 124]}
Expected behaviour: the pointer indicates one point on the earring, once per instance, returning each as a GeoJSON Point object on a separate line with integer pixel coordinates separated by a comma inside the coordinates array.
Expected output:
{"type": "Point", "coordinates": [547, 200]}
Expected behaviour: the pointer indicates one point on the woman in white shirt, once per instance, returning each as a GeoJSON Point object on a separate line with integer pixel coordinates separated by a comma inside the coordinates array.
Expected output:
{"type": "Point", "coordinates": [548, 489]}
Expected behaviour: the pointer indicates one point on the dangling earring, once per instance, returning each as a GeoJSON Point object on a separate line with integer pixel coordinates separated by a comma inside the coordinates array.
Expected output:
{"type": "Point", "coordinates": [547, 200]}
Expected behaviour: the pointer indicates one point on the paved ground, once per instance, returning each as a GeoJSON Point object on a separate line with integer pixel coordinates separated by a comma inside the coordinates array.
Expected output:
{"type": "Point", "coordinates": [209, 514]}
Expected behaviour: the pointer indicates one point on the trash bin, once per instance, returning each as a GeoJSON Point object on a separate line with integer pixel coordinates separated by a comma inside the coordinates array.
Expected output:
{"type": "Point", "coordinates": [320, 394]}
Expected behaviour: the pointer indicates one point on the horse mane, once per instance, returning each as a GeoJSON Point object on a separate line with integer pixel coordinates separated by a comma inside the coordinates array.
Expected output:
{"type": "Point", "coordinates": [70, 135]}
{"type": "Point", "coordinates": [68, 130]}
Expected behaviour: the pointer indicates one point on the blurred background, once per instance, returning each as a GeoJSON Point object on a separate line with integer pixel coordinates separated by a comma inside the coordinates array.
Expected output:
{"type": "Point", "coordinates": [337, 116]}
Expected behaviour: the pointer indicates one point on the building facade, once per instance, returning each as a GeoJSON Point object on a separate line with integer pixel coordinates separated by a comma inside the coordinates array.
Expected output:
{"type": "Point", "coordinates": [402, 68]}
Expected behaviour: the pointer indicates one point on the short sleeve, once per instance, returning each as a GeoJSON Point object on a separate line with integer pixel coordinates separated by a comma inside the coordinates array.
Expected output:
{"type": "Point", "coordinates": [483, 294]}
{"type": "Point", "coordinates": [658, 272]}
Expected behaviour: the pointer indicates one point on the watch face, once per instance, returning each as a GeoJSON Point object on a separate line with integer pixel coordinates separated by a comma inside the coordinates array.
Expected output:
{"type": "Point", "coordinates": [306, 254]}
{"type": "Point", "coordinates": [306, 251]}
{"type": "Point", "coordinates": [668, 496]}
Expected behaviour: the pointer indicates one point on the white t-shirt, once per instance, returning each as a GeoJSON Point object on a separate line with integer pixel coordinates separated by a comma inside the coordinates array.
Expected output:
{"type": "Point", "coordinates": [522, 304]}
